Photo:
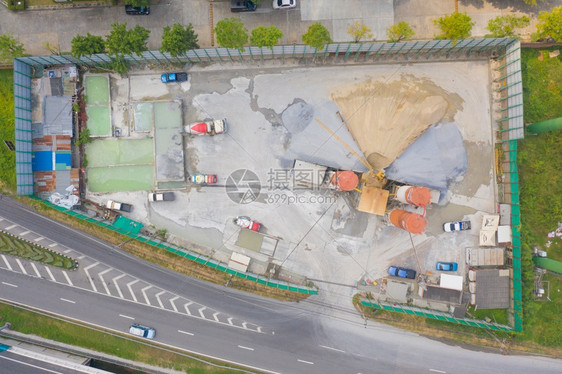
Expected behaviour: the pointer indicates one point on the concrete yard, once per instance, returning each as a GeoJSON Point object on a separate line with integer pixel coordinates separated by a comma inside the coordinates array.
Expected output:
{"type": "Point", "coordinates": [274, 114]}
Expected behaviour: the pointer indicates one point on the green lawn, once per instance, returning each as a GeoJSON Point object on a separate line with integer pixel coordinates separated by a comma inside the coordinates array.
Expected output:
{"type": "Point", "coordinates": [540, 164]}
{"type": "Point", "coordinates": [7, 158]}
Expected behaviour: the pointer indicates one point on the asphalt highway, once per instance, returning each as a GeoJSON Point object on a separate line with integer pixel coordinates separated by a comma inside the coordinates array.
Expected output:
{"type": "Point", "coordinates": [305, 337]}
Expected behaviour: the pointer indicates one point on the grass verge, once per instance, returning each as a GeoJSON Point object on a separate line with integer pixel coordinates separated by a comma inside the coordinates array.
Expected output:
{"type": "Point", "coordinates": [7, 157]}
{"type": "Point", "coordinates": [40, 324]}
{"type": "Point", "coordinates": [162, 257]}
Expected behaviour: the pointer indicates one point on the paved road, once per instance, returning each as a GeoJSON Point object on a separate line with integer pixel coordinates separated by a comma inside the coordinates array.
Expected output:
{"type": "Point", "coordinates": [294, 338]}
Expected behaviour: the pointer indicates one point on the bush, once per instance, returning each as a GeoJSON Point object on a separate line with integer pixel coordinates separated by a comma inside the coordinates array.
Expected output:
{"type": "Point", "coordinates": [16, 4]}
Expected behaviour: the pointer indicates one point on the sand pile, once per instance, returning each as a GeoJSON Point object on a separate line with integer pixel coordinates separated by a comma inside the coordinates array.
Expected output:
{"type": "Point", "coordinates": [386, 117]}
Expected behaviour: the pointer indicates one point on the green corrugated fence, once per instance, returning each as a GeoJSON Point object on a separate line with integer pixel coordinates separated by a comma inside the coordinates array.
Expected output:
{"type": "Point", "coordinates": [203, 260]}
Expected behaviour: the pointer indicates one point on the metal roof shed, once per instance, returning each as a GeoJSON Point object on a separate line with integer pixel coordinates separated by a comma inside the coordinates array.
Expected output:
{"type": "Point", "coordinates": [453, 282]}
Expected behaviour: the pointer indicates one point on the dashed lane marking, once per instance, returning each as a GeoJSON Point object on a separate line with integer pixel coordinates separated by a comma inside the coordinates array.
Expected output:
{"type": "Point", "coordinates": [36, 271]}
{"type": "Point", "coordinates": [186, 333]}
{"type": "Point", "coordinates": [53, 245]}
{"type": "Point", "coordinates": [438, 371]}
{"type": "Point", "coordinates": [333, 349]}
{"type": "Point", "coordinates": [38, 239]}
{"type": "Point", "coordinates": [246, 348]}
{"type": "Point", "coordinates": [68, 301]}
{"type": "Point", "coordinates": [24, 233]}
{"type": "Point", "coordinates": [305, 362]}
{"type": "Point", "coordinates": [124, 316]}
{"type": "Point", "coordinates": [10, 227]}
{"type": "Point", "coordinates": [9, 284]}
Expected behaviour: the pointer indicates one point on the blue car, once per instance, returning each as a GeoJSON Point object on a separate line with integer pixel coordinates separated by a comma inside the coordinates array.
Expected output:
{"type": "Point", "coordinates": [446, 266]}
{"type": "Point", "coordinates": [402, 272]}
{"type": "Point", "coordinates": [173, 77]}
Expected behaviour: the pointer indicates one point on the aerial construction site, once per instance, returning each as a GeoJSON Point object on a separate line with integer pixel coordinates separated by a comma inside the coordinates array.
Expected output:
{"type": "Point", "coordinates": [371, 178]}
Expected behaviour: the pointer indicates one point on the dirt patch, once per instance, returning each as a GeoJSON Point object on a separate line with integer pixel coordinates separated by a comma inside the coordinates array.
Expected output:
{"type": "Point", "coordinates": [386, 117]}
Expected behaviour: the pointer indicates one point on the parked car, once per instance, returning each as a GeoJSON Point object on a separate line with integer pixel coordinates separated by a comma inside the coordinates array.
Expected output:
{"type": "Point", "coordinates": [161, 196]}
{"type": "Point", "coordinates": [204, 178]}
{"type": "Point", "coordinates": [214, 127]}
{"type": "Point", "coordinates": [137, 10]}
{"type": "Point", "coordinates": [242, 6]}
{"type": "Point", "coordinates": [284, 4]}
{"type": "Point", "coordinates": [173, 77]}
{"type": "Point", "coordinates": [446, 266]}
{"type": "Point", "coordinates": [456, 226]}
{"type": "Point", "coordinates": [247, 223]}
{"type": "Point", "coordinates": [142, 331]}
{"type": "Point", "coordinates": [114, 205]}
{"type": "Point", "coordinates": [402, 272]}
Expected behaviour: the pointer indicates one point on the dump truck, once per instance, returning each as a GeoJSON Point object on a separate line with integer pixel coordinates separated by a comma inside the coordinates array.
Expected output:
{"type": "Point", "coordinates": [213, 127]}
{"type": "Point", "coordinates": [161, 196]}
{"type": "Point", "coordinates": [118, 206]}
{"type": "Point", "coordinates": [484, 256]}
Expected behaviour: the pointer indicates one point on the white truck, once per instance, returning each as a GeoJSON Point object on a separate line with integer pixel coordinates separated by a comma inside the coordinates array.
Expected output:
{"type": "Point", "coordinates": [142, 331]}
{"type": "Point", "coordinates": [161, 196]}
{"type": "Point", "coordinates": [118, 206]}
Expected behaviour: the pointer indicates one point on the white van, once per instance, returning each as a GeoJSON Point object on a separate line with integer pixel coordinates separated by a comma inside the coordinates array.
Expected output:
{"type": "Point", "coordinates": [142, 331]}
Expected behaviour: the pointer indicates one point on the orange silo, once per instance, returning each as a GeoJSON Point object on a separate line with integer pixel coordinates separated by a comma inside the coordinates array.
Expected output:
{"type": "Point", "coordinates": [412, 222]}
{"type": "Point", "coordinates": [414, 195]}
{"type": "Point", "coordinates": [344, 180]}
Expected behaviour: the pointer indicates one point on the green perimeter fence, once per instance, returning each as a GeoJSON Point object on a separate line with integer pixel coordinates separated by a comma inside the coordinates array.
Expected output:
{"type": "Point", "coordinates": [509, 86]}
{"type": "Point", "coordinates": [201, 259]}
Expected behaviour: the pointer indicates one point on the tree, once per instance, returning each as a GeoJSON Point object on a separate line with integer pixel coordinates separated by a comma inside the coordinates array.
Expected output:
{"type": "Point", "coordinates": [400, 31]}
{"type": "Point", "coordinates": [263, 36]}
{"type": "Point", "coordinates": [550, 25]}
{"type": "Point", "coordinates": [86, 45]}
{"type": "Point", "coordinates": [177, 40]}
{"type": "Point", "coordinates": [231, 33]}
{"type": "Point", "coordinates": [454, 26]}
{"type": "Point", "coordinates": [359, 31]}
{"type": "Point", "coordinates": [138, 3]}
{"type": "Point", "coordinates": [123, 41]}
{"type": "Point", "coordinates": [10, 48]}
{"type": "Point", "coordinates": [504, 26]}
{"type": "Point", "coordinates": [317, 36]}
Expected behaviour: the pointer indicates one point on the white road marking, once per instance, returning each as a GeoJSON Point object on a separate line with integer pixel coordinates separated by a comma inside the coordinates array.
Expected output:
{"type": "Point", "coordinates": [67, 278]}
{"type": "Point", "coordinates": [68, 301]}
{"type": "Point", "coordinates": [81, 257]}
{"type": "Point", "coordinates": [10, 227]}
{"type": "Point", "coordinates": [7, 263]}
{"type": "Point", "coordinates": [201, 311]}
{"type": "Point", "coordinates": [144, 293]}
{"type": "Point", "coordinates": [88, 275]}
{"type": "Point", "coordinates": [229, 320]}
{"type": "Point", "coordinates": [38, 239]}
{"type": "Point", "coordinates": [117, 286]}
{"type": "Point", "coordinates": [68, 250]}
{"type": "Point", "coordinates": [52, 245]}
{"type": "Point", "coordinates": [186, 307]}
{"type": "Point", "coordinates": [28, 364]}
{"type": "Point", "coordinates": [333, 349]}
{"type": "Point", "coordinates": [9, 284]}
{"type": "Point", "coordinates": [259, 329]}
{"type": "Point", "coordinates": [438, 371]}
{"type": "Point", "coordinates": [245, 324]}
{"type": "Point", "coordinates": [103, 281]}
{"type": "Point", "coordinates": [247, 348]}
{"type": "Point", "coordinates": [158, 298]}
{"type": "Point", "coordinates": [306, 362]}
{"type": "Point", "coordinates": [35, 268]}
{"type": "Point", "coordinates": [174, 305]}
{"type": "Point", "coordinates": [49, 272]}
{"type": "Point", "coordinates": [124, 316]}
{"type": "Point", "coordinates": [186, 333]}
{"type": "Point", "coordinates": [131, 290]}
{"type": "Point", "coordinates": [21, 266]}
{"type": "Point", "coordinates": [215, 315]}
{"type": "Point", "coordinates": [24, 233]}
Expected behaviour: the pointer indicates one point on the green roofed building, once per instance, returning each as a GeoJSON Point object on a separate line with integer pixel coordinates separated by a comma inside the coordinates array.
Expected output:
{"type": "Point", "coordinates": [126, 225]}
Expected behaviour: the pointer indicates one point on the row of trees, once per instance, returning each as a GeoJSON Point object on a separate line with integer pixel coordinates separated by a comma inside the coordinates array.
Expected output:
{"type": "Point", "coordinates": [231, 33]}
